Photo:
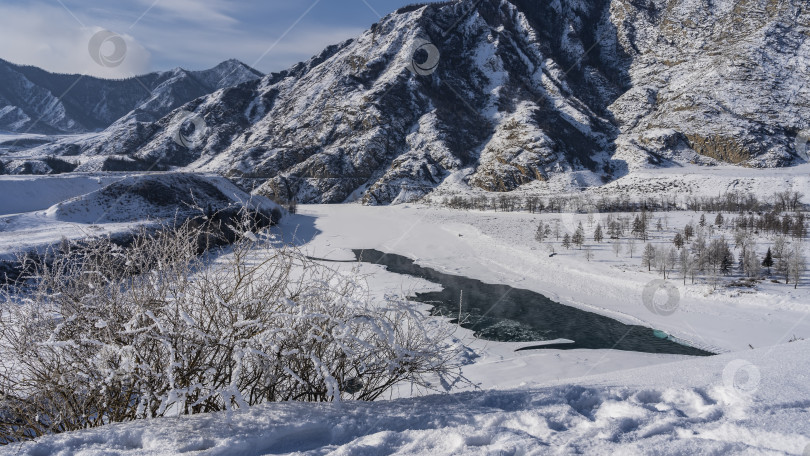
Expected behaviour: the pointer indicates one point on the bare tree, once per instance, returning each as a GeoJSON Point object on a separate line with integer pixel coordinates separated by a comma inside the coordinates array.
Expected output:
{"type": "Point", "coordinates": [687, 264]}
{"type": "Point", "coordinates": [797, 263]}
{"type": "Point", "coordinates": [781, 253]}
{"type": "Point", "coordinates": [750, 263]}
{"type": "Point", "coordinates": [109, 334]}
{"type": "Point", "coordinates": [617, 247]}
{"type": "Point", "coordinates": [648, 257]}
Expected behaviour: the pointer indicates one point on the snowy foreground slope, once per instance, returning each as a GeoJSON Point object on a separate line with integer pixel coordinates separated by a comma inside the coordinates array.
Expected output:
{"type": "Point", "coordinates": [753, 402]}
{"type": "Point", "coordinates": [530, 402]}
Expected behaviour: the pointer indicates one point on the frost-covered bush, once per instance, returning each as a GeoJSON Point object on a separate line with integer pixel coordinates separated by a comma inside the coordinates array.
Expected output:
{"type": "Point", "coordinates": [100, 333]}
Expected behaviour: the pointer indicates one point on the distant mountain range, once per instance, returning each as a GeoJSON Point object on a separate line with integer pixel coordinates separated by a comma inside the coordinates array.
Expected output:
{"type": "Point", "coordinates": [35, 101]}
{"type": "Point", "coordinates": [494, 95]}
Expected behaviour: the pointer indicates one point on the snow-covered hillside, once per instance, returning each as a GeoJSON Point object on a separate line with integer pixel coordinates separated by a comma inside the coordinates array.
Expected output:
{"type": "Point", "coordinates": [39, 211]}
{"type": "Point", "coordinates": [522, 94]}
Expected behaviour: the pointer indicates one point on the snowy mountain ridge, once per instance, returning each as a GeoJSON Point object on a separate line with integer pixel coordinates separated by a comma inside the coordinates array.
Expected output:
{"type": "Point", "coordinates": [36, 101]}
{"type": "Point", "coordinates": [521, 92]}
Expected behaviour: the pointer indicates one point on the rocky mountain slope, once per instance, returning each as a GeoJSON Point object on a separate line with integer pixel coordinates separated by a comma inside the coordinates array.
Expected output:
{"type": "Point", "coordinates": [36, 101]}
{"type": "Point", "coordinates": [498, 94]}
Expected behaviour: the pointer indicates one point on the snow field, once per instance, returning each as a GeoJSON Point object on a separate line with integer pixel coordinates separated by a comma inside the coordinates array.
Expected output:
{"type": "Point", "coordinates": [681, 408]}
{"type": "Point", "coordinates": [536, 402]}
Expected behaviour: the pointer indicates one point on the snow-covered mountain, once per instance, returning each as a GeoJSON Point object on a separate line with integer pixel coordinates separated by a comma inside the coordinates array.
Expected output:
{"type": "Point", "coordinates": [36, 101]}
{"type": "Point", "coordinates": [499, 94]}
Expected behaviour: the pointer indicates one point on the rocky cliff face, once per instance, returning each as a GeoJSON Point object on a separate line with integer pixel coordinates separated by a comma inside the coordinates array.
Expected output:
{"type": "Point", "coordinates": [719, 79]}
{"type": "Point", "coordinates": [499, 94]}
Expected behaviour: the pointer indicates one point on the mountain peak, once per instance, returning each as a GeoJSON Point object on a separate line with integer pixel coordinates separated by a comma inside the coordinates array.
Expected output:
{"type": "Point", "coordinates": [34, 100]}
{"type": "Point", "coordinates": [501, 95]}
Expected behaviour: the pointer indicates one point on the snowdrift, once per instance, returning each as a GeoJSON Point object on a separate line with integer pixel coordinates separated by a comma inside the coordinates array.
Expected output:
{"type": "Point", "coordinates": [752, 402]}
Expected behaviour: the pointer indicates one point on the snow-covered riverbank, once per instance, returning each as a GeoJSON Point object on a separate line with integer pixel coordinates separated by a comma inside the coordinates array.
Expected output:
{"type": "Point", "coordinates": [500, 248]}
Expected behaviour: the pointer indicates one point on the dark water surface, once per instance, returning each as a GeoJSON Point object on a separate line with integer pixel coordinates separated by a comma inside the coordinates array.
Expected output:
{"type": "Point", "coordinates": [507, 314]}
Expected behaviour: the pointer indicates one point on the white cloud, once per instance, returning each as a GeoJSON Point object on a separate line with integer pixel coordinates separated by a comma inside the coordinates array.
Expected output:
{"type": "Point", "coordinates": [51, 38]}
{"type": "Point", "coordinates": [194, 34]}
{"type": "Point", "coordinates": [212, 13]}
{"type": "Point", "coordinates": [196, 50]}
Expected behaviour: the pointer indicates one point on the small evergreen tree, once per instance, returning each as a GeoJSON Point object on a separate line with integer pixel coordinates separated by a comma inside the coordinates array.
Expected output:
{"type": "Point", "coordinates": [540, 234]}
{"type": "Point", "coordinates": [566, 242]}
{"type": "Point", "coordinates": [614, 229]}
{"type": "Point", "coordinates": [678, 240]}
{"type": "Point", "coordinates": [702, 221]}
{"type": "Point", "coordinates": [688, 232]}
{"type": "Point", "coordinates": [768, 261]}
{"type": "Point", "coordinates": [719, 220]}
{"type": "Point", "coordinates": [597, 233]}
{"type": "Point", "coordinates": [579, 236]}
{"type": "Point", "coordinates": [640, 228]}
{"type": "Point", "coordinates": [726, 261]}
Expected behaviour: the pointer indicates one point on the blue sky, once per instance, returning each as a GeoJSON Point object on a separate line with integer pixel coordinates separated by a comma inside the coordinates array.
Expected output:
{"type": "Point", "coordinates": [160, 34]}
